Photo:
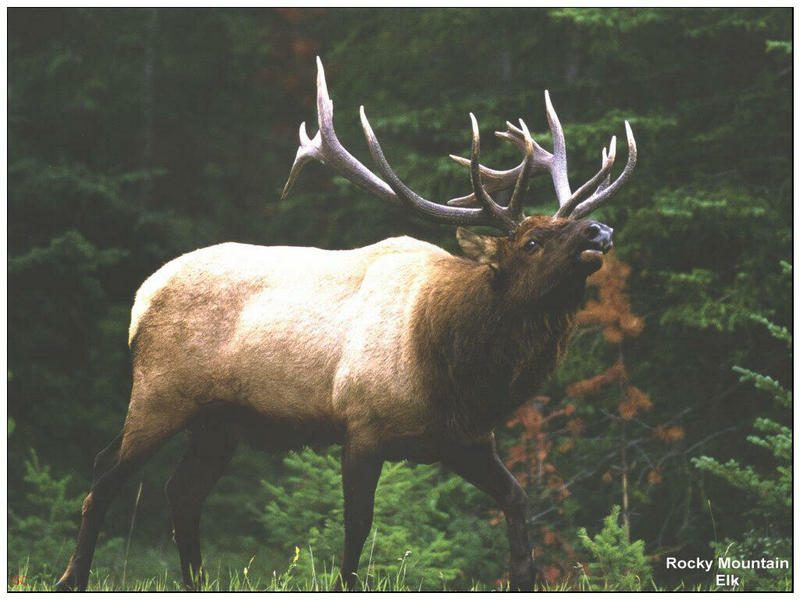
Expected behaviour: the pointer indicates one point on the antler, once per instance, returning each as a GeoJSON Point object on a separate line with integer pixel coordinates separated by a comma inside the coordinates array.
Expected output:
{"type": "Point", "coordinates": [326, 148]}
{"type": "Point", "coordinates": [490, 213]}
{"type": "Point", "coordinates": [571, 204]}
{"type": "Point", "coordinates": [478, 208]}
{"type": "Point", "coordinates": [607, 189]}
{"type": "Point", "coordinates": [503, 180]}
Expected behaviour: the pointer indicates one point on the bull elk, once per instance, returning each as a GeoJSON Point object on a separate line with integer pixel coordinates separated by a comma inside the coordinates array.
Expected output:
{"type": "Point", "coordinates": [398, 350]}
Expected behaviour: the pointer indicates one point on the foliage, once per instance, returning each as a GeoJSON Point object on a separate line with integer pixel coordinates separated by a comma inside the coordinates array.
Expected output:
{"type": "Point", "coordinates": [532, 460]}
{"type": "Point", "coordinates": [617, 563]}
{"type": "Point", "coordinates": [621, 447]}
{"type": "Point", "coordinates": [41, 536]}
{"type": "Point", "coordinates": [625, 427]}
{"type": "Point", "coordinates": [417, 534]}
{"type": "Point", "coordinates": [769, 493]}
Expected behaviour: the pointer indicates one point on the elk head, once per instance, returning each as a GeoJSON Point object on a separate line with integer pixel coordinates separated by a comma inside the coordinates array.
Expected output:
{"type": "Point", "coordinates": [537, 254]}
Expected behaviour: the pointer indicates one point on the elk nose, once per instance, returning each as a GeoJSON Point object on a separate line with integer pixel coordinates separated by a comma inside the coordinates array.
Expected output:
{"type": "Point", "coordinates": [600, 234]}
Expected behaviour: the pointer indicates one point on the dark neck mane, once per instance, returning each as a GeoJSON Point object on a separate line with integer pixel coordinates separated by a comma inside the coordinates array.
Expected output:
{"type": "Point", "coordinates": [487, 355]}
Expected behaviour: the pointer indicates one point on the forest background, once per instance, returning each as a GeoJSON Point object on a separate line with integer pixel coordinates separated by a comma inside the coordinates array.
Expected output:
{"type": "Point", "coordinates": [136, 135]}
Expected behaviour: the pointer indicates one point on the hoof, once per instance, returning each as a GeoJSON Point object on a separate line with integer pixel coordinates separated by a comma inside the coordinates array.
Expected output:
{"type": "Point", "coordinates": [345, 584]}
{"type": "Point", "coordinates": [62, 586]}
{"type": "Point", "coordinates": [523, 579]}
{"type": "Point", "coordinates": [523, 585]}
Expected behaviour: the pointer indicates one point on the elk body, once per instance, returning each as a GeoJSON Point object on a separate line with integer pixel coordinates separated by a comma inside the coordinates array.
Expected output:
{"type": "Point", "coordinates": [398, 350]}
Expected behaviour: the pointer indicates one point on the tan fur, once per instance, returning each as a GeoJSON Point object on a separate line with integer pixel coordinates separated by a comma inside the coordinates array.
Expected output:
{"type": "Point", "coordinates": [295, 334]}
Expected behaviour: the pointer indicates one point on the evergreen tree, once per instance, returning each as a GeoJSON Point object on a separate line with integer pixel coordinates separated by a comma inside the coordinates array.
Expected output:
{"type": "Point", "coordinates": [767, 492]}
{"type": "Point", "coordinates": [617, 563]}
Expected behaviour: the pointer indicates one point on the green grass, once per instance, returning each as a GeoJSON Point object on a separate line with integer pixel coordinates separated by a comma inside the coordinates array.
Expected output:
{"type": "Point", "coordinates": [229, 580]}
{"type": "Point", "coordinates": [242, 580]}
{"type": "Point", "coordinates": [237, 581]}
{"type": "Point", "coordinates": [248, 579]}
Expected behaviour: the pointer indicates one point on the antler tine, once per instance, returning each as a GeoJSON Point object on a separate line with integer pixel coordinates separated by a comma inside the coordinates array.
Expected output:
{"type": "Point", "coordinates": [491, 177]}
{"type": "Point", "coordinates": [541, 159]}
{"type": "Point", "coordinates": [309, 150]}
{"type": "Point", "coordinates": [515, 204]}
{"type": "Point", "coordinates": [517, 137]}
{"type": "Point", "coordinates": [606, 190]}
{"type": "Point", "coordinates": [326, 148]}
{"type": "Point", "coordinates": [558, 166]}
{"type": "Point", "coordinates": [494, 180]}
{"type": "Point", "coordinates": [440, 212]}
{"type": "Point", "coordinates": [571, 204]}
{"type": "Point", "coordinates": [607, 162]}
{"type": "Point", "coordinates": [607, 181]}
{"type": "Point", "coordinates": [483, 197]}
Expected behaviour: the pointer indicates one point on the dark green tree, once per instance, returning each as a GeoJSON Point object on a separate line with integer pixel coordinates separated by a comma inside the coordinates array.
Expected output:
{"type": "Point", "coordinates": [767, 492]}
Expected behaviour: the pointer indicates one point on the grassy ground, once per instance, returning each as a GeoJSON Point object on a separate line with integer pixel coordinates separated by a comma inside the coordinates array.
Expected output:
{"type": "Point", "coordinates": [240, 582]}
{"type": "Point", "coordinates": [251, 579]}
{"type": "Point", "coordinates": [219, 578]}
{"type": "Point", "coordinates": [237, 581]}
{"type": "Point", "coordinates": [245, 580]}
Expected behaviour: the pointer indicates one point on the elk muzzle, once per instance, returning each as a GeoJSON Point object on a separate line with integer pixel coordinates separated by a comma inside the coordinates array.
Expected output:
{"type": "Point", "coordinates": [597, 242]}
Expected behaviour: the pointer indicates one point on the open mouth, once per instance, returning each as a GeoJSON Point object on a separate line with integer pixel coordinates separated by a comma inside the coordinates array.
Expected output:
{"type": "Point", "coordinates": [591, 255]}
{"type": "Point", "coordinates": [595, 255]}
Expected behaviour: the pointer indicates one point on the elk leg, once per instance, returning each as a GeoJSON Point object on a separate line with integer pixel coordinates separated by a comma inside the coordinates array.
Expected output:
{"type": "Point", "coordinates": [107, 481]}
{"type": "Point", "coordinates": [211, 448]}
{"type": "Point", "coordinates": [360, 472]}
{"type": "Point", "coordinates": [481, 466]}
{"type": "Point", "coordinates": [113, 465]}
{"type": "Point", "coordinates": [105, 458]}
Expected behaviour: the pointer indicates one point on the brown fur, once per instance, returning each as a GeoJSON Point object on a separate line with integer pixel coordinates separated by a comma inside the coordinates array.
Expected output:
{"type": "Point", "coordinates": [490, 336]}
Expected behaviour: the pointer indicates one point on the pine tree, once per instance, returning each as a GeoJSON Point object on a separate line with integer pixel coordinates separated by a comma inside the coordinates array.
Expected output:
{"type": "Point", "coordinates": [617, 563]}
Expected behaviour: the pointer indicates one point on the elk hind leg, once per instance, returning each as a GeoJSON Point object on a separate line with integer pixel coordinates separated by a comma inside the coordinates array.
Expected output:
{"type": "Point", "coordinates": [211, 447]}
{"type": "Point", "coordinates": [106, 458]}
{"type": "Point", "coordinates": [112, 467]}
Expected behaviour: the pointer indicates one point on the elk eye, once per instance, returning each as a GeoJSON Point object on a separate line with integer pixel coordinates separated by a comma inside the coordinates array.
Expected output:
{"type": "Point", "coordinates": [531, 245]}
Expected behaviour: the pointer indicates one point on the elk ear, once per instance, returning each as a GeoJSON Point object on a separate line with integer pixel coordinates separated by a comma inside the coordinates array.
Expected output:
{"type": "Point", "coordinates": [482, 249]}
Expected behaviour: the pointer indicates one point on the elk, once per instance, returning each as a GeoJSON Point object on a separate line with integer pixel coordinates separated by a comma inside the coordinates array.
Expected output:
{"type": "Point", "coordinates": [398, 350]}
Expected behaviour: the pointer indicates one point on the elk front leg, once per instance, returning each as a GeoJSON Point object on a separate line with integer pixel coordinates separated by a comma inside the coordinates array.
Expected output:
{"type": "Point", "coordinates": [481, 466]}
{"type": "Point", "coordinates": [361, 468]}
